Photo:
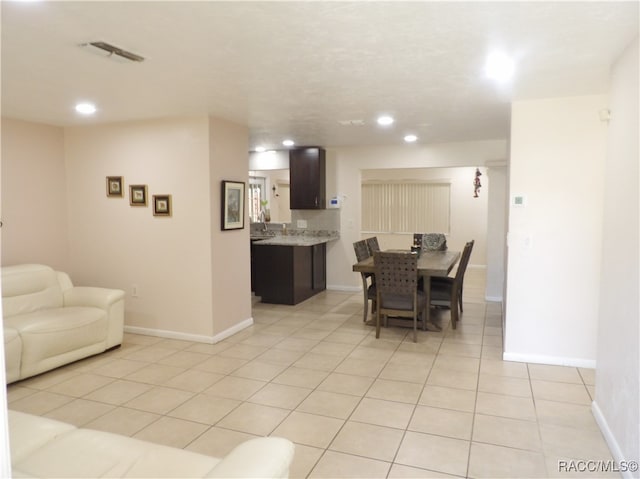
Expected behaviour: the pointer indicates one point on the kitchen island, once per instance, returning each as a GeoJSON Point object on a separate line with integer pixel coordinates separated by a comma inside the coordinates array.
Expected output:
{"type": "Point", "coordinates": [289, 269]}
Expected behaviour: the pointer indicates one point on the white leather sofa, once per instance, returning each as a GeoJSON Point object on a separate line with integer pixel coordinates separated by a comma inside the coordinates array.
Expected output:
{"type": "Point", "coordinates": [47, 322]}
{"type": "Point", "coordinates": [43, 447]}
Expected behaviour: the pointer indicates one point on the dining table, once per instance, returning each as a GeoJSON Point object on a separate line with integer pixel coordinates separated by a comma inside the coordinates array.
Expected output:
{"type": "Point", "coordinates": [430, 263]}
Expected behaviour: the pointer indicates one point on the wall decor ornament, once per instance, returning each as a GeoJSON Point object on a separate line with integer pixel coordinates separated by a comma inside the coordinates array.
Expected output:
{"type": "Point", "coordinates": [161, 205]}
{"type": "Point", "coordinates": [138, 195]}
{"type": "Point", "coordinates": [476, 183]}
{"type": "Point", "coordinates": [232, 205]}
{"type": "Point", "coordinates": [114, 186]}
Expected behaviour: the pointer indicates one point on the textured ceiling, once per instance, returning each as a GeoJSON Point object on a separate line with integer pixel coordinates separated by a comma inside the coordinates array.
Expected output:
{"type": "Point", "coordinates": [296, 69]}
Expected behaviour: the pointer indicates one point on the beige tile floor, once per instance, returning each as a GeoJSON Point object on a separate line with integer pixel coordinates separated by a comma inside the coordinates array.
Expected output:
{"type": "Point", "coordinates": [446, 406]}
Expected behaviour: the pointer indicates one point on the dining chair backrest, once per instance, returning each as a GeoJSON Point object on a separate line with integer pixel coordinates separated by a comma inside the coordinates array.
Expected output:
{"type": "Point", "coordinates": [396, 273]}
{"type": "Point", "coordinates": [372, 244]}
{"type": "Point", "coordinates": [464, 261]}
{"type": "Point", "coordinates": [361, 250]}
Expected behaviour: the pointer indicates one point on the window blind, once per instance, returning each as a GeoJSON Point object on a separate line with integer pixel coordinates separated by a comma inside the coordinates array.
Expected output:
{"type": "Point", "coordinates": [405, 207]}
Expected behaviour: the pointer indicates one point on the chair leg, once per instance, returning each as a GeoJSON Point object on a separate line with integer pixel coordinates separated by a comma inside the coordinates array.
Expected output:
{"type": "Point", "coordinates": [377, 324]}
{"type": "Point", "coordinates": [454, 310]}
{"type": "Point", "coordinates": [460, 298]}
{"type": "Point", "coordinates": [415, 326]}
{"type": "Point", "coordinates": [366, 306]}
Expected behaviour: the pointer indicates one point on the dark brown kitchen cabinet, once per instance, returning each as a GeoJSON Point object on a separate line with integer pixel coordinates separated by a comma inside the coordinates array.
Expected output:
{"type": "Point", "coordinates": [288, 274]}
{"type": "Point", "coordinates": [307, 178]}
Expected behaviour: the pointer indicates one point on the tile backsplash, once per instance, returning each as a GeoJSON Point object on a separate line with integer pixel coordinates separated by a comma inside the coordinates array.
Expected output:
{"type": "Point", "coordinates": [323, 222]}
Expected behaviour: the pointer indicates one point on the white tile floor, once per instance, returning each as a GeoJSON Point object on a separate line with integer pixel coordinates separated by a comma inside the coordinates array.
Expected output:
{"type": "Point", "coordinates": [446, 406]}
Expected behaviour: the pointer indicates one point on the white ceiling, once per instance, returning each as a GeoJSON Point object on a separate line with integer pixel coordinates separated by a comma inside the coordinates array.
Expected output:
{"type": "Point", "coordinates": [295, 69]}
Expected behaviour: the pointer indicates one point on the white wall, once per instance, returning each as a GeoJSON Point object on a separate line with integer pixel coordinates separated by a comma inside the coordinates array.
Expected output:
{"type": "Point", "coordinates": [617, 403]}
{"type": "Point", "coordinates": [468, 214]}
{"type": "Point", "coordinates": [344, 167]}
{"type": "Point", "coordinates": [557, 162]}
{"type": "Point", "coordinates": [116, 245]}
{"type": "Point", "coordinates": [230, 250]}
{"type": "Point", "coordinates": [34, 202]}
{"type": "Point", "coordinates": [497, 217]}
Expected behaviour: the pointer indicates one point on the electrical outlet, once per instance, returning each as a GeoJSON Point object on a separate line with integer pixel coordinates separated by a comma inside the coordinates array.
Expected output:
{"type": "Point", "coordinates": [302, 224]}
{"type": "Point", "coordinates": [134, 291]}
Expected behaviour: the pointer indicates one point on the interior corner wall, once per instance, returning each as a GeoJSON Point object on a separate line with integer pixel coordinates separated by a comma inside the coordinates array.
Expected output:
{"type": "Point", "coordinates": [230, 257]}
{"type": "Point", "coordinates": [34, 209]}
{"type": "Point", "coordinates": [112, 244]}
{"type": "Point", "coordinates": [558, 149]}
{"type": "Point", "coordinates": [617, 401]}
{"type": "Point", "coordinates": [344, 166]}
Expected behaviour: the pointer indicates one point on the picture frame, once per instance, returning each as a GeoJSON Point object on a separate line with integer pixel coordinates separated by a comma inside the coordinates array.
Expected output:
{"type": "Point", "coordinates": [233, 205]}
{"type": "Point", "coordinates": [114, 186]}
{"type": "Point", "coordinates": [138, 195]}
{"type": "Point", "coordinates": [162, 205]}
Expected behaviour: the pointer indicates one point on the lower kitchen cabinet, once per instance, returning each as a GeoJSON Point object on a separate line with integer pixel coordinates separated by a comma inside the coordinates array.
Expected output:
{"type": "Point", "coordinates": [288, 274]}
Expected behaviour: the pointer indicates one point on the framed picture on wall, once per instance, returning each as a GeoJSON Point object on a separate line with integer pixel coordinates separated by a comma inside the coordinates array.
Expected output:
{"type": "Point", "coordinates": [232, 205]}
{"type": "Point", "coordinates": [114, 186]}
{"type": "Point", "coordinates": [161, 205]}
{"type": "Point", "coordinates": [138, 195]}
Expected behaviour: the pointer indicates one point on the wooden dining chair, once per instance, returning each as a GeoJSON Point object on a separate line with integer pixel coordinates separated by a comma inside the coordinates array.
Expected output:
{"type": "Point", "coordinates": [397, 288]}
{"type": "Point", "coordinates": [447, 291]}
{"type": "Point", "coordinates": [368, 279]}
{"type": "Point", "coordinates": [372, 244]}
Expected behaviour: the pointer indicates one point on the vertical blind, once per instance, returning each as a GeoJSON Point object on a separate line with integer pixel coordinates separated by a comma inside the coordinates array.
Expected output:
{"type": "Point", "coordinates": [405, 207]}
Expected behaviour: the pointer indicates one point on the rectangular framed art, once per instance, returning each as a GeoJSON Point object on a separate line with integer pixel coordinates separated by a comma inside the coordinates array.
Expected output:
{"type": "Point", "coordinates": [161, 205]}
{"type": "Point", "coordinates": [138, 195]}
{"type": "Point", "coordinates": [232, 205]}
{"type": "Point", "coordinates": [114, 186]}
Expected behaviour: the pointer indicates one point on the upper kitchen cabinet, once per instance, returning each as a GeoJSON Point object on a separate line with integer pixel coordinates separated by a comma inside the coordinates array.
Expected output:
{"type": "Point", "coordinates": [307, 178]}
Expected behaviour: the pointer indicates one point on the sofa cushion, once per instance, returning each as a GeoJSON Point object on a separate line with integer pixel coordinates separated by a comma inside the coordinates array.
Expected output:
{"type": "Point", "coordinates": [29, 287]}
{"type": "Point", "coordinates": [29, 433]}
{"type": "Point", "coordinates": [43, 447]}
{"type": "Point", "coordinates": [51, 332]}
{"type": "Point", "coordinates": [88, 453]}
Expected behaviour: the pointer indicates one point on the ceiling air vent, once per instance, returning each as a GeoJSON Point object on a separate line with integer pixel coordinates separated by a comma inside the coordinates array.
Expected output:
{"type": "Point", "coordinates": [113, 50]}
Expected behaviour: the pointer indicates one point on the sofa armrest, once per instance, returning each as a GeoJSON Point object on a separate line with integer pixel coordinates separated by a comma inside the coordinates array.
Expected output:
{"type": "Point", "coordinates": [110, 300]}
{"type": "Point", "coordinates": [260, 457]}
{"type": "Point", "coordinates": [102, 298]}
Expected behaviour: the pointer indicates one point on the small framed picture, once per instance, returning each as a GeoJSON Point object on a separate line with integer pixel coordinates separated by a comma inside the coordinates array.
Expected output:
{"type": "Point", "coordinates": [138, 195]}
{"type": "Point", "coordinates": [232, 205]}
{"type": "Point", "coordinates": [114, 186]}
{"type": "Point", "coordinates": [161, 205]}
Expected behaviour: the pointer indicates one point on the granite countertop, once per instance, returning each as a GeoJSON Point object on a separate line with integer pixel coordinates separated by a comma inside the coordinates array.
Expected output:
{"type": "Point", "coordinates": [297, 240]}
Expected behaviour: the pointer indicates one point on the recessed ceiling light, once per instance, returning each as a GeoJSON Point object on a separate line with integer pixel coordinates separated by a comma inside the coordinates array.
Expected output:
{"type": "Point", "coordinates": [499, 67]}
{"type": "Point", "coordinates": [410, 138]}
{"type": "Point", "coordinates": [86, 108]}
{"type": "Point", "coordinates": [385, 120]}
{"type": "Point", "coordinates": [260, 149]}
{"type": "Point", "coordinates": [288, 143]}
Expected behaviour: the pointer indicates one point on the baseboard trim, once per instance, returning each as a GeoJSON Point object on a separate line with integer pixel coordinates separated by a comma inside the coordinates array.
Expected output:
{"type": "Point", "coordinates": [553, 360]}
{"type": "Point", "coordinates": [345, 289]}
{"type": "Point", "coordinates": [493, 299]}
{"type": "Point", "coordinates": [198, 338]}
{"type": "Point", "coordinates": [617, 453]}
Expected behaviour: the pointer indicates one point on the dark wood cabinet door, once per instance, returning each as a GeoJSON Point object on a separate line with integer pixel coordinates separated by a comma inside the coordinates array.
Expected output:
{"type": "Point", "coordinates": [307, 178]}
{"type": "Point", "coordinates": [319, 258]}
